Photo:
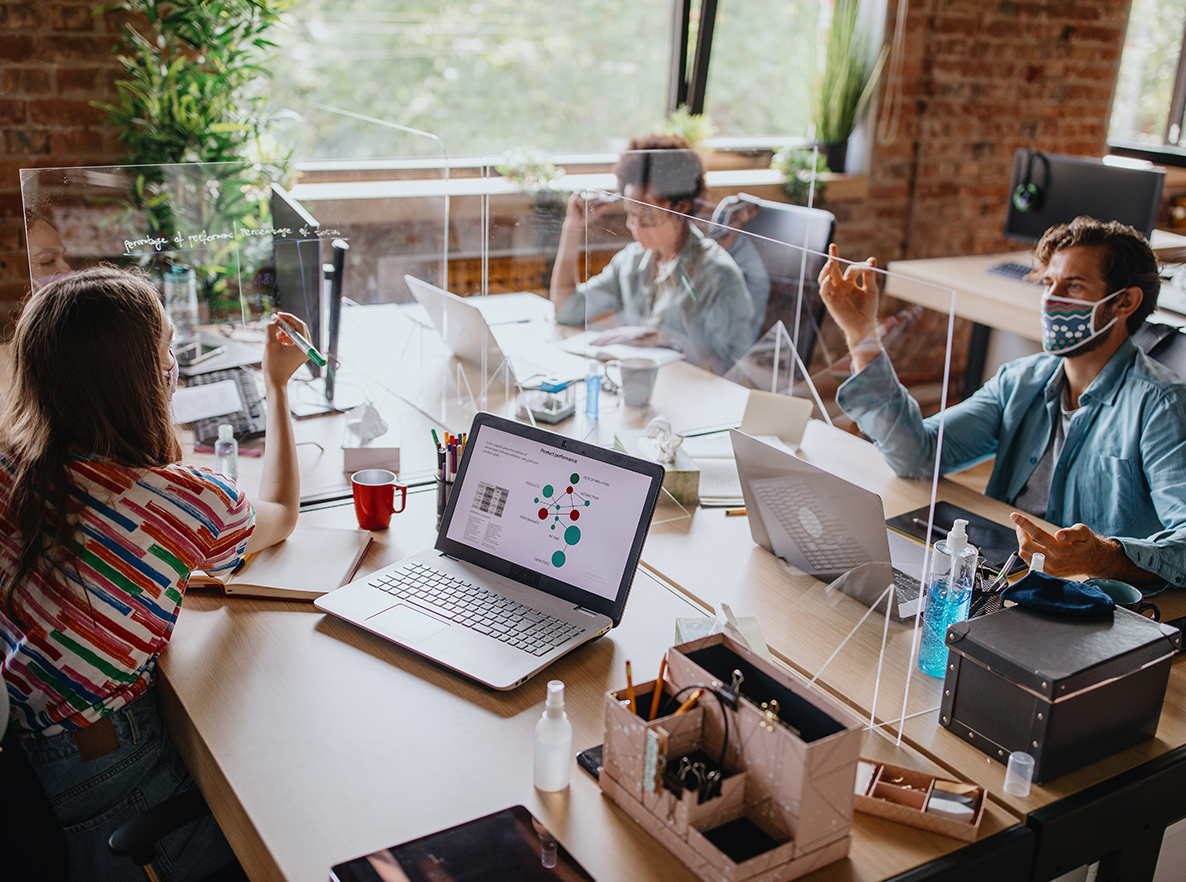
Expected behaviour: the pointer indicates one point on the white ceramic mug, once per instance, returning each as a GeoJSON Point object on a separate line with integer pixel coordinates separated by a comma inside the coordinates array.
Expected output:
{"type": "Point", "coordinates": [636, 379]}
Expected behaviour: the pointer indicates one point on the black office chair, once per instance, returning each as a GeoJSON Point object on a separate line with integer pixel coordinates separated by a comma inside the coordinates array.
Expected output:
{"type": "Point", "coordinates": [137, 838]}
{"type": "Point", "coordinates": [1002, 857]}
{"type": "Point", "coordinates": [801, 228]}
{"type": "Point", "coordinates": [1163, 343]}
{"type": "Point", "coordinates": [1119, 822]}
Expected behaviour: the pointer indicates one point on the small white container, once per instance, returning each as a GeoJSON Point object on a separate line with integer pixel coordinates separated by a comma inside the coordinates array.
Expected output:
{"type": "Point", "coordinates": [1019, 773]}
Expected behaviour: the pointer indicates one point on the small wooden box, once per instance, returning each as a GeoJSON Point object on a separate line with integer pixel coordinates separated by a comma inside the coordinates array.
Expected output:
{"type": "Point", "coordinates": [791, 767]}
{"type": "Point", "coordinates": [902, 795]}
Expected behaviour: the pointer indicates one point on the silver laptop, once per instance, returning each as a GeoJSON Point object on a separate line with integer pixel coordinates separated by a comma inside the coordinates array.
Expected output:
{"type": "Point", "coordinates": [536, 555]}
{"type": "Point", "coordinates": [464, 327]}
{"type": "Point", "coordinates": [826, 526]}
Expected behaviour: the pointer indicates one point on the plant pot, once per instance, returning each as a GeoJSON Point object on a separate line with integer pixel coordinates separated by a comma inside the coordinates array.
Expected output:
{"type": "Point", "coordinates": [835, 154]}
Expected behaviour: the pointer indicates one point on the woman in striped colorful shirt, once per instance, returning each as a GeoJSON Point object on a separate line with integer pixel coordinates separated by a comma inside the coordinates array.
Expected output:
{"type": "Point", "coordinates": [100, 527]}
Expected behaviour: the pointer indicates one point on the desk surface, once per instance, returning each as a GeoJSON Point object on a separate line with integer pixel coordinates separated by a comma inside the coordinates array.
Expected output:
{"type": "Point", "coordinates": [315, 742]}
{"type": "Point", "coordinates": [300, 728]}
{"type": "Point", "coordinates": [714, 559]}
{"type": "Point", "coordinates": [999, 302]}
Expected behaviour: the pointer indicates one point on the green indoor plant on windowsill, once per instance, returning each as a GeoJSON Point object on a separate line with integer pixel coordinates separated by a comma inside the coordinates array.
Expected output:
{"type": "Point", "coordinates": [846, 86]}
{"type": "Point", "coordinates": [190, 92]}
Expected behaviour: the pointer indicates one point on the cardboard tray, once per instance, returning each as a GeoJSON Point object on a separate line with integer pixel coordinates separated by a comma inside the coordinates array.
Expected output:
{"type": "Point", "coordinates": [893, 801]}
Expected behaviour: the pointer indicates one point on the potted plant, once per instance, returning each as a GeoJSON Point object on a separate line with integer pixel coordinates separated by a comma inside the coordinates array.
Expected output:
{"type": "Point", "coordinates": [189, 93]}
{"type": "Point", "coordinates": [796, 165]}
{"type": "Point", "coordinates": [847, 83]}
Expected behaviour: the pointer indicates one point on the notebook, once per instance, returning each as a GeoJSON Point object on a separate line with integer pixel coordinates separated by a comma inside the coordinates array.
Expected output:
{"type": "Point", "coordinates": [463, 326]}
{"type": "Point", "coordinates": [535, 555]}
{"type": "Point", "coordinates": [309, 563]}
{"type": "Point", "coordinates": [826, 526]}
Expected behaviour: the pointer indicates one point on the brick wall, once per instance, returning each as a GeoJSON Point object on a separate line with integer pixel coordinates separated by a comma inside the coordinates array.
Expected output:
{"type": "Point", "coordinates": [982, 79]}
{"type": "Point", "coordinates": [55, 58]}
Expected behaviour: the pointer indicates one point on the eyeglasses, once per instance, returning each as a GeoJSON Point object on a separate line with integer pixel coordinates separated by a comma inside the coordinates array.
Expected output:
{"type": "Point", "coordinates": [645, 215]}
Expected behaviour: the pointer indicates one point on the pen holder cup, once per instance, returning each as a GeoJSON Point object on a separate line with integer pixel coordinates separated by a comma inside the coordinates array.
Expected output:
{"type": "Point", "coordinates": [444, 490]}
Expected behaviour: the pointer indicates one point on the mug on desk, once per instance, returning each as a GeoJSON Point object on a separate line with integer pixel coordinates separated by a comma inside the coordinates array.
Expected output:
{"type": "Point", "coordinates": [637, 379]}
{"type": "Point", "coordinates": [374, 498]}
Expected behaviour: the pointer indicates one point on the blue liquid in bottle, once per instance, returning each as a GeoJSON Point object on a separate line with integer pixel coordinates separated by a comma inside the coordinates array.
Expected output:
{"type": "Point", "coordinates": [949, 595]}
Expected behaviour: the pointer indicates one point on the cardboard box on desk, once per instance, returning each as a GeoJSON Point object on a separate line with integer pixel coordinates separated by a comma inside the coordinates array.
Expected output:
{"type": "Point", "coordinates": [798, 759]}
{"type": "Point", "coordinates": [682, 480]}
{"type": "Point", "coordinates": [1066, 691]}
{"type": "Point", "coordinates": [381, 453]}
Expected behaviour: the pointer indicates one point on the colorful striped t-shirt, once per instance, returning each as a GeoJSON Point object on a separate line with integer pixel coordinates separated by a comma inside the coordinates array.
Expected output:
{"type": "Point", "coordinates": [143, 531]}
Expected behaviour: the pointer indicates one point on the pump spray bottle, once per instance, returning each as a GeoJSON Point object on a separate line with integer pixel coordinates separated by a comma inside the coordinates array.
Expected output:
{"type": "Point", "coordinates": [553, 742]}
{"type": "Point", "coordinates": [949, 594]}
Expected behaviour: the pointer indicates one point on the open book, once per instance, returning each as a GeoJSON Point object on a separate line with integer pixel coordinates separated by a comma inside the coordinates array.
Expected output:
{"type": "Point", "coordinates": [311, 562]}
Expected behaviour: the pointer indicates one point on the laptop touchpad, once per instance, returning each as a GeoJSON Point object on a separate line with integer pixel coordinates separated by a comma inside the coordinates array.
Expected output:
{"type": "Point", "coordinates": [405, 624]}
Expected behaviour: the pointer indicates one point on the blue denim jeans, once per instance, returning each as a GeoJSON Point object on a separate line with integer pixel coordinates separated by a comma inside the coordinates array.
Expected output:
{"type": "Point", "coordinates": [92, 799]}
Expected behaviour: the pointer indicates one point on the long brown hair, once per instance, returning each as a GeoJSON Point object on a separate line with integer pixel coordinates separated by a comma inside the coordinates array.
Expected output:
{"type": "Point", "coordinates": [86, 380]}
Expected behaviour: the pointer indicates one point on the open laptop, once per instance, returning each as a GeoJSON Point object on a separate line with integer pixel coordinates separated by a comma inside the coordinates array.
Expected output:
{"type": "Point", "coordinates": [536, 555]}
{"type": "Point", "coordinates": [826, 526]}
{"type": "Point", "coordinates": [464, 327]}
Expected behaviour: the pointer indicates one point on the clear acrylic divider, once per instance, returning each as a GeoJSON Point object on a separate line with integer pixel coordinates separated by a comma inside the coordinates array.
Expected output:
{"type": "Point", "coordinates": [228, 243]}
{"type": "Point", "coordinates": [817, 496]}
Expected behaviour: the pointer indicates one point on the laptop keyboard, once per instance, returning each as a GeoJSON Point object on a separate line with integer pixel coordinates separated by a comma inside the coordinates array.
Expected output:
{"type": "Point", "coordinates": [827, 547]}
{"type": "Point", "coordinates": [476, 608]}
{"type": "Point", "coordinates": [1017, 271]}
{"type": "Point", "coordinates": [248, 423]}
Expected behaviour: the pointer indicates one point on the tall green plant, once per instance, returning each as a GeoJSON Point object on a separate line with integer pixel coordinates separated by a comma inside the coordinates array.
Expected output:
{"type": "Point", "coordinates": [848, 80]}
{"type": "Point", "coordinates": [191, 73]}
{"type": "Point", "coordinates": [191, 93]}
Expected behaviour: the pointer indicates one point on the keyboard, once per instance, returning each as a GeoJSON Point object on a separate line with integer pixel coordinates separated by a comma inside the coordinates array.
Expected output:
{"type": "Point", "coordinates": [1017, 271]}
{"type": "Point", "coordinates": [828, 547]}
{"type": "Point", "coordinates": [476, 608]}
{"type": "Point", "coordinates": [249, 422]}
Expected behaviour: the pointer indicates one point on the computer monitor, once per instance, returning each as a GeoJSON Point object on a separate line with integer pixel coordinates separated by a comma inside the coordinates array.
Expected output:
{"type": "Point", "coordinates": [1049, 189]}
{"type": "Point", "coordinates": [296, 256]}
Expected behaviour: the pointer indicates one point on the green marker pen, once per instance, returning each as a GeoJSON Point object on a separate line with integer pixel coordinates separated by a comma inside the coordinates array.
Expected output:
{"type": "Point", "coordinates": [302, 344]}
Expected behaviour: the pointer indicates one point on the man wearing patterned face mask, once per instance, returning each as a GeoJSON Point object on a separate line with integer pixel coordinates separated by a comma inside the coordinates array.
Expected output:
{"type": "Point", "coordinates": [1090, 433]}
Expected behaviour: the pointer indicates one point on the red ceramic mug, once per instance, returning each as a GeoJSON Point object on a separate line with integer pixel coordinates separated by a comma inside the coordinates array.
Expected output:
{"type": "Point", "coordinates": [374, 498]}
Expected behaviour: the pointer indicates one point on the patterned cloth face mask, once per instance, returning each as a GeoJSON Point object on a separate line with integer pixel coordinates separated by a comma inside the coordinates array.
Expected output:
{"type": "Point", "coordinates": [1067, 323]}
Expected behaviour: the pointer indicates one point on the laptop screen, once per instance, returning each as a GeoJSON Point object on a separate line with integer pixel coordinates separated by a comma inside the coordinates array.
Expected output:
{"type": "Point", "coordinates": [566, 512]}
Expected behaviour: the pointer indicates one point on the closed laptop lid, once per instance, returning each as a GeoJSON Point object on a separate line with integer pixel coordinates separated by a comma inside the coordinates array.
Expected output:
{"type": "Point", "coordinates": [460, 324]}
{"type": "Point", "coordinates": [551, 512]}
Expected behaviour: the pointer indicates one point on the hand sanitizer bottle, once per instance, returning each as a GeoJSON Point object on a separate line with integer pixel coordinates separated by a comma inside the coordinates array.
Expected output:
{"type": "Point", "coordinates": [949, 593]}
{"type": "Point", "coordinates": [553, 742]}
{"type": "Point", "coordinates": [226, 452]}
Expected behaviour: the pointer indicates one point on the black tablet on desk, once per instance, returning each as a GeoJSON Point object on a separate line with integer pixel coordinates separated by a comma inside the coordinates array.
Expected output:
{"type": "Point", "coordinates": [995, 541]}
{"type": "Point", "coordinates": [510, 844]}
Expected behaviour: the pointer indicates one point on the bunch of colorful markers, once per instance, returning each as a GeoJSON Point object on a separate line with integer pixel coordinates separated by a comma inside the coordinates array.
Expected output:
{"type": "Point", "coordinates": [448, 461]}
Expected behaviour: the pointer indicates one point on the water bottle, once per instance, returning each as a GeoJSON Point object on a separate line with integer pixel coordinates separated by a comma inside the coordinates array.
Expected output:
{"type": "Point", "coordinates": [949, 594]}
{"type": "Point", "coordinates": [553, 742]}
{"type": "Point", "coordinates": [181, 302]}
{"type": "Point", "coordinates": [226, 452]}
{"type": "Point", "coordinates": [592, 390]}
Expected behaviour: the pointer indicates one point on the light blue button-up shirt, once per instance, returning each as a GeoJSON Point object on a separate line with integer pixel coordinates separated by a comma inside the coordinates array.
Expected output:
{"type": "Point", "coordinates": [1122, 470]}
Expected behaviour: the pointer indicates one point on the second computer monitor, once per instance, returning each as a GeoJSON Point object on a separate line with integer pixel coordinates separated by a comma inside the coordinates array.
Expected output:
{"type": "Point", "coordinates": [297, 260]}
{"type": "Point", "coordinates": [1049, 189]}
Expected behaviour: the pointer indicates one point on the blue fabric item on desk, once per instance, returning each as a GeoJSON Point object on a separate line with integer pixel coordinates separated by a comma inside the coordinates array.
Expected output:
{"type": "Point", "coordinates": [1060, 597]}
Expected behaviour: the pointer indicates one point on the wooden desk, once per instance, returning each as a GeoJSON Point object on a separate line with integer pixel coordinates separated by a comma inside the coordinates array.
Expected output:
{"type": "Point", "coordinates": [714, 559]}
{"type": "Point", "coordinates": [315, 742]}
{"type": "Point", "coordinates": [995, 301]}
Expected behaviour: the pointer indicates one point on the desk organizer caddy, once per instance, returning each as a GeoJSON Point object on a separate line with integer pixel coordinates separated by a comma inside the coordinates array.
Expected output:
{"type": "Point", "coordinates": [786, 796]}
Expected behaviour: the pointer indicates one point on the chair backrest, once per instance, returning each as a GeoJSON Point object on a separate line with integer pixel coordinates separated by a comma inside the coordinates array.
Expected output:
{"type": "Point", "coordinates": [1002, 856]}
{"type": "Point", "coordinates": [1163, 343]}
{"type": "Point", "coordinates": [808, 231]}
{"type": "Point", "coordinates": [1119, 822]}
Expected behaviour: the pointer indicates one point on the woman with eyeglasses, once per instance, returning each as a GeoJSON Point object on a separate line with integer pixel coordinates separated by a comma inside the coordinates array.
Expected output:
{"type": "Point", "coordinates": [100, 527]}
{"type": "Point", "coordinates": [672, 286]}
